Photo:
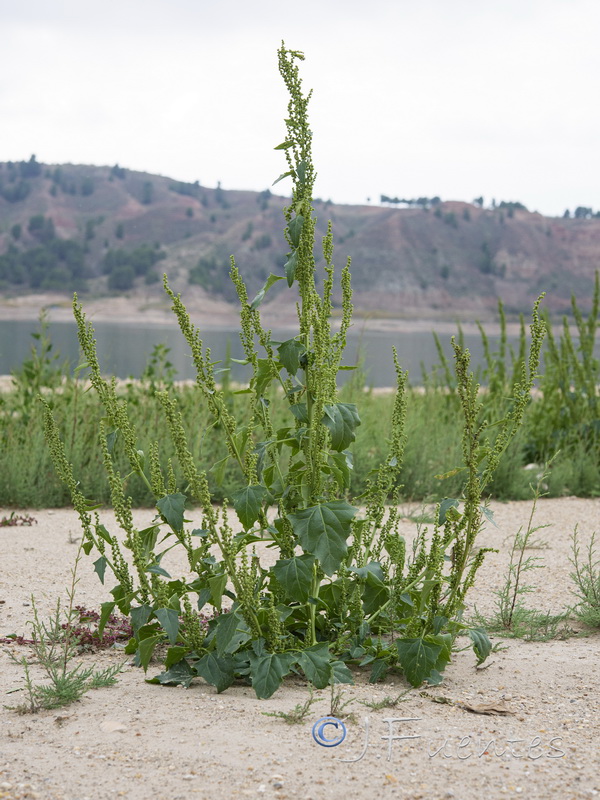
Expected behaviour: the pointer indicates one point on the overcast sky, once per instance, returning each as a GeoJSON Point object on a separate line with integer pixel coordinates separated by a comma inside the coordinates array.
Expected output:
{"type": "Point", "coordinates": [456, 98]}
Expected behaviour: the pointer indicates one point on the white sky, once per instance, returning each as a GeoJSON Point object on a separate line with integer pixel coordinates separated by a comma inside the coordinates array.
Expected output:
{"type": "Point", "coordinates": [457, 98]}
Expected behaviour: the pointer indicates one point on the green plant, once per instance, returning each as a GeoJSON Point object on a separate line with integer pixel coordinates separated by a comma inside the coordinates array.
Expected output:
{"type": "Point", "coordinates": [298, 714]}
{"type": "Point", "coordinates": [387, 702]}
{"type": "Point", "coordinates": [40, 371]}
{"type": "Point", "coordinates": [587, 580]}
{"type": "Point", "coordinates": [338, 705]}
{"type": "Point", "coordinates": [345, 590]}
{"type": "Point", "coordinates": [54, 645]}
{"type": "Point", "coordinates": [512, 617]}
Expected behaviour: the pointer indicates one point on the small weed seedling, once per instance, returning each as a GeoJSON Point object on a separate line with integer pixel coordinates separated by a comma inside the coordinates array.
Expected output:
{"type": "Point", "coordinates": [387, 702]}
{"type": "Point", "coordinates": [55, 644]}
{"type": "Point", "coordinates": [298, 714]}
{"type": "Point", "coordinates": [338, 704]}
{"type": "Point", "coordinates": [512, 618]}
{"type": "Point", "coordinates": [587, 580]}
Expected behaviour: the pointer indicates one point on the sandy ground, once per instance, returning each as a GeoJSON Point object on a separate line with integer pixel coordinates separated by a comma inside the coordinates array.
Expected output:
{"type": "Point", "coordinates": [141, 741]}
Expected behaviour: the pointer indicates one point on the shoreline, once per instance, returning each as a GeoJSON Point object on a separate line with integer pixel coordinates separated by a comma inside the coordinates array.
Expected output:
{"type": "Point", "coordinates": [215, 315]}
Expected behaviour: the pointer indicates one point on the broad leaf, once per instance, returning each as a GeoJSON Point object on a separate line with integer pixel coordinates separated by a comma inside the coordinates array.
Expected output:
{"type": "Point", "coordinates": [267, 672]}
{"type": "Point", "coordinates": [217, 586]}
{"type": "Point", "coordinates": [232, 630]}
{"type": "Point", "coordinates": [103, 533]}
{"type": "Point", "coordinates": [341, 469]}
{"type": "Point", "coordinates": [284, 145]}
{"type": "Point", "coordinates": [146, 649]}
{"type": "Point", "coordinates": [148, 537]}
{"type": "Point", "coordinates": [340, 673]}
{"type": "Point", "coordinates": [300, 411]}
{"type": "Point", "coordinates": [169, 619]}
{"type": "Point", "coordinates": [174, 655]}
{"type": "Point", "coordinates": [139, 617]}
{"type": "Point", "coordinates": [180, 674]}
{"type": "Point", "coordinates": [111, 438]}
{"type": "Point", "coordinates": [341, 420]}
{"type": "Point", "coordinates": [316, 665]}
{"type": "Point", "coordinates": [379, 670]}
{"type": "Point", "coordinates": [301, 170]}
{"type": "Point", "coordinates": [323, 530]}
{"type": "Point", "coordinates": [375, 594]}
{"type": "Point", "coordinates": [290, 353]}
{"type": "Point", "coordinates": [100, 568]}
{"type": "Point", "coordinates": [417, 658]}
{"type": "Point", "coordinates": [172, 507]}
{"type": "Point", "coordinates": [216, 671]}
{"type": "Point", "coordinates": [264, 375]}
{"type": "Point", "coordinates": [248, 504]}
{"type": "Point", "coordinates": [295, 575]}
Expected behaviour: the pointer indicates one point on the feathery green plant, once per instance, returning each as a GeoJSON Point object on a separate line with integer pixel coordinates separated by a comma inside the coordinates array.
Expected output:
{"type": "Point", "coordinates": [346, 590]}
{"type": "Point", "coordinates": [586, 577]}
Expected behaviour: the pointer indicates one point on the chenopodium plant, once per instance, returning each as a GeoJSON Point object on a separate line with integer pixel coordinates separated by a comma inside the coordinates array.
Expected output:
{"type": "Point", "coordinates": [345, 590]}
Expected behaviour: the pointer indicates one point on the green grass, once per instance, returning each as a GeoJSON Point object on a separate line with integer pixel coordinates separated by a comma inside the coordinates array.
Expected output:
{"type": "Point", "coordinates": [27, 478]}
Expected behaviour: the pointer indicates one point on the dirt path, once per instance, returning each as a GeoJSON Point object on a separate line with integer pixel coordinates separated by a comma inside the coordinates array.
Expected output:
{"type": "Point", "coordinates": [141, 741]}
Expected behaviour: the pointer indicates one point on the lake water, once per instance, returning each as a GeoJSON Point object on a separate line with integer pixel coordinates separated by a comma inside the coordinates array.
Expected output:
{"type": "Point", "coordinates": [124, 348]}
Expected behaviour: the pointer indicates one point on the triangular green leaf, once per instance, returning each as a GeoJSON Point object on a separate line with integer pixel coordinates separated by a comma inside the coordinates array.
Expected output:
{"type": "Point", "coordinates": [341, 420]}
{"type": "Point", "coordinates": [174, 655]}
{"type": "Point", "coordinates": [248, 504]}
{"type": "Point", "coordinates": [172, 508]}
{"type": "Point", "coordinates": [146, 649]}
{"type": "Point", "coordinates": [379, 670]}
{"type": "Point", "coordinates": [417, 658]}
{"type": "Point", "coordinates": [295, 575]}
{"type": "Point", "coordinates": [180, 674]}
{"type": "Point", "coordinates": [156, 569]}
{"type": "Point", "coordinates": [217, 586]}
{"type": "Point", "coordinates": [100, 567]}
{"type": "Point", "coordinates": [232, 630]}
{"type": "Point", "coordinates": [301, 171]}
{"type": "Point", "coordinates": [300, 411]}
{"type": "Point", "coordinates": [218, 470]}
{"type": "Point", "coordinates": [268, 670]}
{"type": "Point", "coordinates": [290, 353]}
{"type": "Point", "coordinates": [169, 619]}
{"type": "Point", "coordinates": [340, 673]}
{"type": "Point", "coordinates": [216, 671]}
{"type": "Point", "coordinates": [316, 665]}
{"type": "Point", "coordinates": [323, 530]}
